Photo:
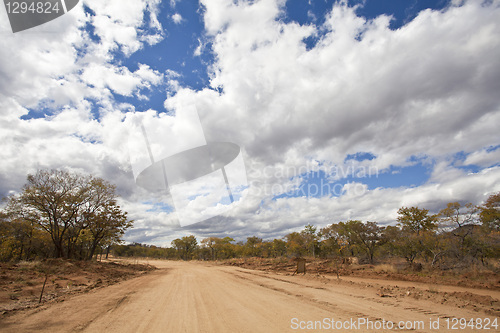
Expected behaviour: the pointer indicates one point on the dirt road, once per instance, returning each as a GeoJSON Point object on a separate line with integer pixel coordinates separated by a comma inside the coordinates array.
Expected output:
{"type": "Point", "coordinates": [198, 297]}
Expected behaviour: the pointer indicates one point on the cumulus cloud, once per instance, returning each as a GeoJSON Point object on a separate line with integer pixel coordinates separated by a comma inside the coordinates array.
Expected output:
{"type": "Point", "coordinates": [119, 79]}
{"type": "Point", "coordinates": [363, 87]}
{"type": "Point", "coordinates": [422, 93]}
{"type": "Point", "coordinates": [419, 94]}
{"type": "Point", "coordinates": [484, 158]}
{"type": "Point", "coordinates": [177, 18]}
{"type": "Point", "coordinates": [55, 74]}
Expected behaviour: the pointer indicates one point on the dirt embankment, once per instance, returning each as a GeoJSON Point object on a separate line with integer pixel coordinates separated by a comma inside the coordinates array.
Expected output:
{"type": "Point", "coordinates": [21, 284]}
{"type": "Point", "coordinates": [473, 278]}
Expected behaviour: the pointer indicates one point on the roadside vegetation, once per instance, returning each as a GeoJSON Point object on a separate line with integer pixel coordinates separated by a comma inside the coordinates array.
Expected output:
{"type": "Point", "coordinates": [50, 231]}
{"type": "Point", "coordinates": [460, 237]}
{"type": "Point", "coordinates": [59, 214]}
{"type": "Point", "coordinates": [29, 284]}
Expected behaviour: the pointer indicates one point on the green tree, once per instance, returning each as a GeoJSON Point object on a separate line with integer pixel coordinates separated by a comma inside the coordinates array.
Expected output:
{"type": "Point", "coordinates": [334, 240]}
{"type": "Point", "coordinates": [278, 248]}
{"type": "Point", "coordinates": [106, 226]}
{"type": "Point", "coordinates": [490, 213]}
{"type": "Point", "coordinates": [185, 246]}
{"type": "Point", "coordinates": [21, 239]}
{"type": "Point", "coordinates": [367, 236]}
{"type": "Point", "coordinates": [296, 244]}
{"type": "Point", "coordinates": [415, 223]}
{"type": "Point", "coordinates": [219, 248]}
{"type": "Point", "coordinates": [225, 248]}
{"type": "Point", "coordinates": [253, 246]}
{"type": "Point", "coordinates": [310, 238]}
{"type": "Point", "coordinates": [209, 243]}
{"type": "Point", "coordinates": [415, 220]}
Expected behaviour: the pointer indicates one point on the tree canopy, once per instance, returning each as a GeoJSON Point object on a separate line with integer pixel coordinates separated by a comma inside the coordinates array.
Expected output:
{"type": "Point", "coordinates": [77, 212]}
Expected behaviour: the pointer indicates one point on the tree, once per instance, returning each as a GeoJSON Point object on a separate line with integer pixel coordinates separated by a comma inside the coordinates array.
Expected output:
{"type": "Point", "coordinates": [415, 223]}
{"type": "Point", "coordinates": [368, 236]}
{"type": "Point", "coordinates": [490, 213]}
{"type": "Point", "coordinates": [436, 246]}
{"type": "Point", "coordinates": [403, 243]}
{"type": "Point", "coordinates": [335, 240]}
{"type": "Point", "coordinates": [185, 246]}
{"type": "Point", "coordinates": [303, 242]}
{"type": "Point", "coordinates": [219, 248]}
{"type": "Point", "coordinates": [310, 238]}
{"type": "Point", "coordinates": [329, 240]}
{"type": "Point", "coordinates": [278, 248]}
{"type": "Point", "coordinates": [209, 243]}
{"type": "Point", "coordinates": [63, 204]}
{"type": "Point", "coordinates": [22, 240]}
{"type": "Point", "coordinates": [253, 247]}
{"type": "Point", "coordinates": [415, 220]}
{"type": "Point", "coordinates": [458, 215]}
{"type": "Point", "coordinates": [296, 244]}
{"type": "Point", "coordinates": [51, 199]}
{"type": "Point", "coordinates": [225, 248]}
{"type": "Point", "coordinates": [463, 218]}
{"type": "Point", "coordinates": [490, 218]}
{"type": "Point", "coordinates": [109, 224]}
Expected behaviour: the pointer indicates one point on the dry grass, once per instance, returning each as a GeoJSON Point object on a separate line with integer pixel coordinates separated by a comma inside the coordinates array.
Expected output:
{"type": "Point", "coordinates": [28, 265]}
{"type": "Point", "coordinates": [21, 283]}
{"type": "Point", "coordinates": [385, 268]}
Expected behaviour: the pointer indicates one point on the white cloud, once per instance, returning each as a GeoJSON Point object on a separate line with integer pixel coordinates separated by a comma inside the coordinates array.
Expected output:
{"type": "Point", "coordinates": [199, 49]}
{"type": "Point", "coordinates": [173, 3]}
{"type": "Point", "coordinates": [427, 90]}
{"type": "Point", "coordinates": [119, 79]}
{"type": "Point", "coordinates": [51, 72]}
{"type": "Point", "coordinates": [177, 18]}
{"type": "Point", "coordinates": [484, 158]}
{"type": "Point", "coordinates": [117, 24]}
{"type": "Point", "coordinates": [423, 89]}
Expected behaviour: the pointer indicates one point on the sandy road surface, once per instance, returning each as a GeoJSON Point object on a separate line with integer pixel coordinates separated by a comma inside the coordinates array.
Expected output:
{"type": "Point", "coordinates": [197, 297]}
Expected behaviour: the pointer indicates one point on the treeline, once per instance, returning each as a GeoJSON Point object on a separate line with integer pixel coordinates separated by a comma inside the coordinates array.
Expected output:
{"type": "Point", "coordinates": [63, 215]}
{"type": "Point", "coordinates": [458, 236]}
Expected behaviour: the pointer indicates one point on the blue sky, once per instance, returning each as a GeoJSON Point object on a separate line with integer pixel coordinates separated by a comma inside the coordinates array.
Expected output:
{"type": "Point", "coordinates": [378, 103]}
{"type": "Point", "coordinates": [176, 53]}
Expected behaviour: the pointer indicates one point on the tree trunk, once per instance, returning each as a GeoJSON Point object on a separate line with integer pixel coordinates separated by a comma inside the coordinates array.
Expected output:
{"type": "Point", "coordinates": [59, 252]}
{"type": "Point", "coordinates": [92, 250]}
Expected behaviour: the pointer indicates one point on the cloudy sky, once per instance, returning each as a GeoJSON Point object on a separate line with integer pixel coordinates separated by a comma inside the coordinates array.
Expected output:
{"type": "Point", "coordinates": [342, 109]}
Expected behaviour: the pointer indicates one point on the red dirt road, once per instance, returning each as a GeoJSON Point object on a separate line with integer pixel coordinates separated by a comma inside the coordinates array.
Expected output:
{"type": "Point", "coordinates": [199, 297]}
